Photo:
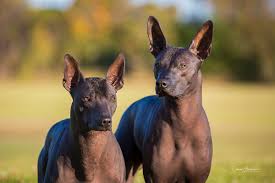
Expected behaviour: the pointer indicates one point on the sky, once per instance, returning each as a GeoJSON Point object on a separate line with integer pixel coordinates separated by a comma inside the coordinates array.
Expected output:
{"type": "Point", "coordinates": [186, 9]}
{"type": "Point", "coordinates": [55, 4]}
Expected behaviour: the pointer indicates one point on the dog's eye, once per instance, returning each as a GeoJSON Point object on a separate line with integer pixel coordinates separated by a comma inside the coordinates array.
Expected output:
{"type": "Point", "coordinates": [182, 66]}
{"type": "Point", "coordinates": [86, 99]}
{"type": "Point", "coordinates": [113, 98]}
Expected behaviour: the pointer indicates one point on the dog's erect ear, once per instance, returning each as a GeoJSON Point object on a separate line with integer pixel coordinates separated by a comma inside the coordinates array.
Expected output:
{"type": "Point", "coordinates": [116, 71]}
{"type": "Point", "coordinates": [72, 74]}
{"type": "Point", "coordinates": [155, 35]}
{"type": "Point", "coordinates": [201, 44]}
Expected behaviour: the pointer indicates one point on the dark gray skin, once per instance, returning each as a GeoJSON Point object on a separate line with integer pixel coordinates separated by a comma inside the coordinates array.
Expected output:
{"type": "Point", "coordinates": [169, 134]}
{"type": "Point", "coordinates": [83, 148]}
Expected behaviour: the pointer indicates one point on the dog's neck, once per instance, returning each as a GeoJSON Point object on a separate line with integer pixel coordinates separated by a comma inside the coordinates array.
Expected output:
{"type": "Point", "coordinates": [185, 110]}
{"type": "Point", "coordinates": [87, 150]}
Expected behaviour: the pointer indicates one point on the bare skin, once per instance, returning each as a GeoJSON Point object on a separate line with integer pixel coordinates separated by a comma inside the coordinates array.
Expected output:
{"type": "Point", "coordinates": [83, 148]}
{"type": "Point", "coordinates": [169, 134]}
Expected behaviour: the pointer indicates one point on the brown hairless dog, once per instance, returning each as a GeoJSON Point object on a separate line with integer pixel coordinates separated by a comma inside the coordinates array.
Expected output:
{"type": "Point", "coordinates": [83, 148]}
{"type": "Point", "coordinates": [169, 134]}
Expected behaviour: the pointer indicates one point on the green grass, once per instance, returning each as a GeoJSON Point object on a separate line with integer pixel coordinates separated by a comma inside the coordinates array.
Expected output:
{"type": "Point", "coordinates": [242, 119]}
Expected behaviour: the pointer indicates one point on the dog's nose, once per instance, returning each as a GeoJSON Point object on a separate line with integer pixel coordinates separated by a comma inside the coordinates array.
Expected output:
{"type": "Point", "coordinates": [106, 122]}
{"type": "Point", "coordinates": [161, 83]}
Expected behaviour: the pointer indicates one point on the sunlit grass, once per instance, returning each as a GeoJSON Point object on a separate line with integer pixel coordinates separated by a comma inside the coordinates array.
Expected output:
{"type": "Point", "coordinates": [242, 119]}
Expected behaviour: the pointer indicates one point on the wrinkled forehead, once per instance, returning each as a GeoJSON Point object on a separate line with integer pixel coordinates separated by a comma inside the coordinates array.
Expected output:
{"type": "Point", "coordinates": [175, 54]}
{"type": "Point", "coordinates": [95, 87]}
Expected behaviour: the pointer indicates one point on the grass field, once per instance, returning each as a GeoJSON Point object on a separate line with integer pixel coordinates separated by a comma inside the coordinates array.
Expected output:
{"type": "Point", "coordinates": [242, 119]}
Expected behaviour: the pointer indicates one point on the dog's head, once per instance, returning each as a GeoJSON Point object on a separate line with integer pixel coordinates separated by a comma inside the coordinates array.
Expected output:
{"type": "Point", "coordinates": [94, 99]}
{"type": "Point", "coordinates": [176, 69]}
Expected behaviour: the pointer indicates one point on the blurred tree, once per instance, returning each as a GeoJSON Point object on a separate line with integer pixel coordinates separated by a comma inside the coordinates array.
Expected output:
{"type": "Point", "coordinates": [45, 48]}
{"type": "Point", "coordinates": [14, 34]}
{"type": "Point", "coordinates": [100, 29]}
{"type": "Point", "coordinates": [250, 27]}
{"type": "Point", "coordinates": [91, 24]}
{"type": "Point", "coordinates": [35, 40]}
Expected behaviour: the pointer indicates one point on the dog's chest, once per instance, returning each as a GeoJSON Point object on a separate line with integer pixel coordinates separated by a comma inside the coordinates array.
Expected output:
{"type": "Point", "coordinates": [102, 161]}
{"type": "Point", "coordinates": [171, 155]}
{"type": "Point", "coordinates": [101, 172]}
{"type": "Point", "coordinates": [66, 173]}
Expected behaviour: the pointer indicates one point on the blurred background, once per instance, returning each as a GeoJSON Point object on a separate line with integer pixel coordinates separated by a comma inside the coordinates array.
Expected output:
{"type": "Point", "coordinates": [238, 91]}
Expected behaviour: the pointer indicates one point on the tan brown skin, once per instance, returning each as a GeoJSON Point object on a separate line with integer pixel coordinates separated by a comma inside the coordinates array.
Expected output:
{"type": "Point", "coordinates": [83, 148]}
{"type": "Point", "coordinates": [169, 134]}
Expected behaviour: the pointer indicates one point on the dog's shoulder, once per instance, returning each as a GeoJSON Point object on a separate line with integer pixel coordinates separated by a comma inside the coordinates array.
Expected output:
{"type": "Point", "coordinates": [56, 130]}
{"type": "Point", "coordinates": [145, 105]}
{"type": "Point", "coordinates": [59, 127]}
{"type": "Point", "coordinates": [148, 101]}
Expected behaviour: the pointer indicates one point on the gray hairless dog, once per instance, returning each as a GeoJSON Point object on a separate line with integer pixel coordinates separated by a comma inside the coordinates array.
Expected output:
{"type": "Point", "coordinates": [83, 148]}
{"type": "Point", "coordinates": [169, 134]}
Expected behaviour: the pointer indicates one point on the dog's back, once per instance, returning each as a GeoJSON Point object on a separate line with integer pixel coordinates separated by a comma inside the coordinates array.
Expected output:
{"type": "Point", "coordinates": [139, 118]}
{"type": "Point", "coordinates": [51, 149]}
{"type": "Point", "coordinates": [137, 121]}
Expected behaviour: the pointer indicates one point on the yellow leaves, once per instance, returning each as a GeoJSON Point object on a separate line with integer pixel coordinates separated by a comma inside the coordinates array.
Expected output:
{"type": "Point", "coordinates": [43, 41]}
{"type": "Point", "coordinates": [81, 28]}
{"type": "Point", "coordinates": [92, 21]}
{"type": "Point", "coordinates": [101, 18]}
{"type": "Point", "coordinates": [41, 51]}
